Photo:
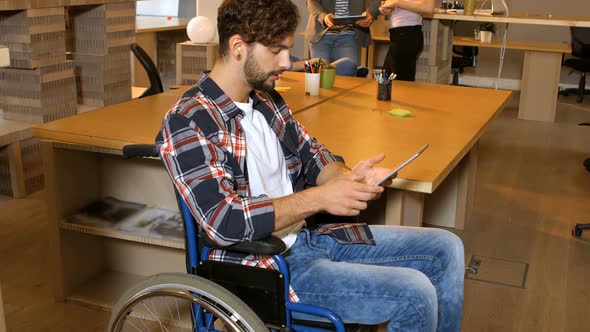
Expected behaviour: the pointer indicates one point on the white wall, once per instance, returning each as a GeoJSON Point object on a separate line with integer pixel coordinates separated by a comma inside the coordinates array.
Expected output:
{"type": "Point", "coordinates": [209, 8]}
{"type": "Point", "coordinates": [157, 7]}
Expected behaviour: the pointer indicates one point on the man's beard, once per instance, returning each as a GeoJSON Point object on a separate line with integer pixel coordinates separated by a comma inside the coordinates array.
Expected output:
{"type": "Point", "coordinates": [256, 76]}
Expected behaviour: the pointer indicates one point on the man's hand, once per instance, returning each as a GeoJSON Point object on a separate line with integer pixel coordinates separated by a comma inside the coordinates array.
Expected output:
{"type": "Point", "coordinates": [329, 21]}
{"type": "Point", "coordinates": [346, 195]}
{"type": "Point", "coordinates": [369, 172]}
{"type": "Point", "coordinates": [366, 22]}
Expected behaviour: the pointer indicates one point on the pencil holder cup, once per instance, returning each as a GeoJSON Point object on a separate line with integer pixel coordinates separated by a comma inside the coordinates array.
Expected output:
{"type": "Point", "coordinates": [384, 91]}
{"type": "Point", "coordinates": [327, 77]}
{"type": "Point", "coordinates": [312, 84]}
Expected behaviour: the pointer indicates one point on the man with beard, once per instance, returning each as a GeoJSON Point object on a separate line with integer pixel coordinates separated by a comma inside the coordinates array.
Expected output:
{"type": "Point", "coordinates": [247, 169]}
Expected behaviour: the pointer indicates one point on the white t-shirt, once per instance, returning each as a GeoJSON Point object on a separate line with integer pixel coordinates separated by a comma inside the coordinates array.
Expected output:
{"type": "Point", "coordinates": [404, 18]}
{"type": "Point", "coordinates": [265, 162]}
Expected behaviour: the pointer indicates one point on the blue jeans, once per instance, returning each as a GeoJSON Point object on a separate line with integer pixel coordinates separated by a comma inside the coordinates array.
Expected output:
{"type": "Point", "coordinates": [334, 47]}
{"type": "Point", "coordinates": [412, 278]}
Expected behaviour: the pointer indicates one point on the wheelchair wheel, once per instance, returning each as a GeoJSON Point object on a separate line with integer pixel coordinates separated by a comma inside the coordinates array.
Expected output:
{"type": "Point", "coordinates": [182, 302]}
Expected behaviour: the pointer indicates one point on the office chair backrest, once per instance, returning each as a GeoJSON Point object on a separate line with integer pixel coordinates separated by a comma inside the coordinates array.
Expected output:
{"type": "Point", "coordinates": [467, 54]}
{"type": "Point", "coordinates": [580, 42]}
{"type": "Point", "coordinates": [466, 51]}
{"type": "Point", "coordinates": [150, 69]}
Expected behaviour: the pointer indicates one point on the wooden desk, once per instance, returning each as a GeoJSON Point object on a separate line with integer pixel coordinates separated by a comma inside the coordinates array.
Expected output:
{"type": "Point", "coordinates": [451, 119]}
{"type": "Point", "coordinates": [540, 75]}
{"type": "Point", "coordinates": [521, 18]}
{"type": "Point", "coordinates": [83, 163]}
{"type": "Point", "coordinates": [297, 99]}
{"type": "Point", "coordinates": [146, 29]}
{"type": "Point", "coordinates": [539, 86]}
{"type": "Point", "coordinates": [138, 120]}
{"type": "Point", "coordinates": [525, 45]}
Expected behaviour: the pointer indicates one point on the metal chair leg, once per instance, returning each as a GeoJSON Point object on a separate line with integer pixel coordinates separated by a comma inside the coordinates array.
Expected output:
{"type": "Point", "coordinates": [577, 231]}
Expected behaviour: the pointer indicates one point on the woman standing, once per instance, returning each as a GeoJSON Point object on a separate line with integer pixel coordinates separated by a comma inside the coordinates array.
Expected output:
{"type": "Point", "coordinates": [405, 35]}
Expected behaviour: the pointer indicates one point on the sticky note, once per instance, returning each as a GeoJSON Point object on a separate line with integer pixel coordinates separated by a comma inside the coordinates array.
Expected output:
{"type": "Point", "coordinates": [282, 88]}
{"type": "Point", "coordinates": [400, 113]}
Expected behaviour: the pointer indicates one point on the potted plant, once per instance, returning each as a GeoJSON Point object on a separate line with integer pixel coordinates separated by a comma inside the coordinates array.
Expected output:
{"type": "Point", "coordinates": [486, 31]}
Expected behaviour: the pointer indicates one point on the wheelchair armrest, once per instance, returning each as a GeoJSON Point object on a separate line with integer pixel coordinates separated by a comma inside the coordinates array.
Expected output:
{"type": "Point", "coordinates": [139, 151]}
{"type": "Point", "coordinates": [270, 245]}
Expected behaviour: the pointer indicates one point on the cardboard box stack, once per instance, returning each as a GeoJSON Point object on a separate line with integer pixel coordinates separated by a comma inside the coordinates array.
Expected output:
{"type": "Point", "coordinates": [35, 37]}
{"type": "Point", "coordinates": [99, 41]}
{"type": "Point", "coordinates": [38, 95]}
{"type": "Point", "coordinates": [193, 59]}
{"type": "Point", "coordinates": [434, 63]}
{"type": "Point", "coordinates": [40, 84]}
{"type": "Point", "coordinates": [14, 4]}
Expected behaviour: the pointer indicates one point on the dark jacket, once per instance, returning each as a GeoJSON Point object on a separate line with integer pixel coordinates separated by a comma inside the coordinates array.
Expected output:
{"type": "Point", "coordinates": [318, 9]}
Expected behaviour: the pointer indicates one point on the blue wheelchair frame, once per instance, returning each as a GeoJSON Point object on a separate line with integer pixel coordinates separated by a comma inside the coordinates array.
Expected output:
{"type": "Point", "coordinates": [193, 260]}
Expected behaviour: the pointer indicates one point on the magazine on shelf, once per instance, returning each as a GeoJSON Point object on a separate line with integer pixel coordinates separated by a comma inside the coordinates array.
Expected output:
{"type": "Point", "coordinates": [106, 213]}
{"type": "Point", "coordinates": [155, 222]}
{"type": "Point", "coordinates": [130, 217]}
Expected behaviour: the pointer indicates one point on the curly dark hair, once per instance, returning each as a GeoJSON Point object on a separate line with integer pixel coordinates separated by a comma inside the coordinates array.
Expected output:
{"type": "Point", "coordinates": [266, 22]}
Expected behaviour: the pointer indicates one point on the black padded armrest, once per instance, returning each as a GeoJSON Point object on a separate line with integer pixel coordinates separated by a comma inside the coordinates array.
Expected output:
{"type": "Point", "coordinates": [139, 151]}
{"type": "Point", "coordinates": [270, 245]}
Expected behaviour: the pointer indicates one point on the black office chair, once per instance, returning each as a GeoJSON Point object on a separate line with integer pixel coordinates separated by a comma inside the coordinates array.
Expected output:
{"type": "Point", "coordinates": [151, 70]}
{"type": "Point", "coordinates": [463, 56]}
{"type": "Point", "coordinates": [466, 57]}
{"type": "Point", "coordinates": [577, 231]}
{"type": "Point", "coordinates": [581, 62]}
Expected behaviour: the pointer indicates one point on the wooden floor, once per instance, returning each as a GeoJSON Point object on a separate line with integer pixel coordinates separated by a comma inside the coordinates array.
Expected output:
{"type": "Point", "coordinates": [531, 189]}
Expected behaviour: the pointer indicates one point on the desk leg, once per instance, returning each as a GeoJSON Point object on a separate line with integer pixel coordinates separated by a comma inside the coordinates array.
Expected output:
{"type": "Point", "coordinates": [17, 175]}
{"type": "Point", "coordinates": [71, 182]}
{"type": "Point", "coordinates": [539, 85]}
{"type": "Point", "coordinates": [363, 57]}
{"type": "Point", "coordinates": [451, 205]}
{"type": "Point", "coordinates": [371, 57]}
{"type": "Point", "coordinates": [404, 207]}
{"type": "Point", "coordinates": [147, 40]}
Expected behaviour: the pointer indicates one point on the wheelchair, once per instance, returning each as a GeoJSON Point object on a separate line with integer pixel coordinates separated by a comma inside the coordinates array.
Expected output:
{"type": "Point", "coordinates": [218, 296]}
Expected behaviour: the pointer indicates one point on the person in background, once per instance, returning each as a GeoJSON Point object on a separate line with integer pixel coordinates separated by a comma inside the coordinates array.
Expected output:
{"type": "Point", "coordinates": [332, 42]}
{"type": "Point", "coordinates": [405, 35]}
{"type": "Point", "coordinates": [247, 169]}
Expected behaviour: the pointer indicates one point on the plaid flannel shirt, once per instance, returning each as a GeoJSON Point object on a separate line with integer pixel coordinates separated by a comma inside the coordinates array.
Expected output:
{"type": "Point", "coordinates": [203, 148]}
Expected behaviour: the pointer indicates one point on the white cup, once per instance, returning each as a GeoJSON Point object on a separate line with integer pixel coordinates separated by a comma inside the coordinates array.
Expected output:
{"type": "Point", "coordinates": [312, 84]}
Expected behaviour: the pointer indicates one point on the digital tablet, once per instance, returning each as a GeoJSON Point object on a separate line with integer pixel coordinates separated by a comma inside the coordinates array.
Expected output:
{"type": "Point", "coordinates": [345, 20]}
{"type": "Point", "coordinates": [393, 173]}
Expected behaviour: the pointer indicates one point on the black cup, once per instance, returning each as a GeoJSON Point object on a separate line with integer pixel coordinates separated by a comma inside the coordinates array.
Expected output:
{"type": "Point", "coordinates": [384, 91]}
